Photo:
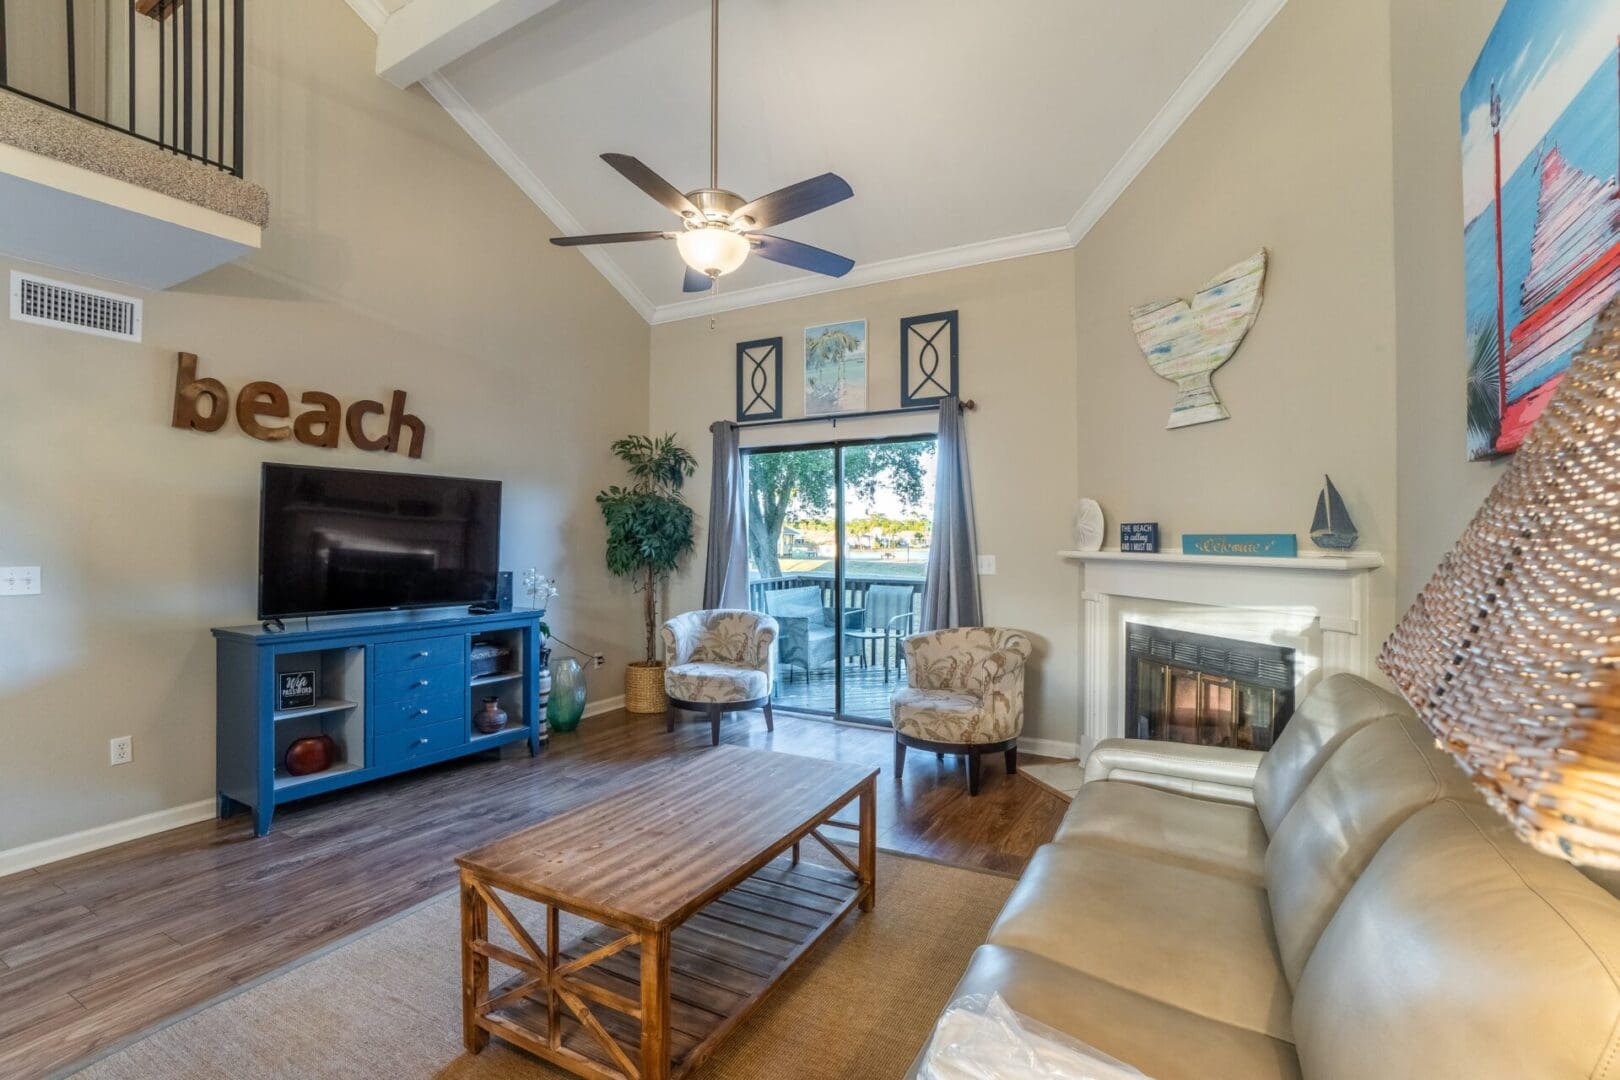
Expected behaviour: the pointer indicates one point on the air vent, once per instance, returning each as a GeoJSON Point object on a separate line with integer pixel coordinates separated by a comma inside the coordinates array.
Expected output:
{"type": "Point", "coordinates": [74, 307]}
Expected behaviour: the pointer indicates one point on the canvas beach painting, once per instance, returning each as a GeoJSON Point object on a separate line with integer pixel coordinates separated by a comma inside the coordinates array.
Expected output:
{"type": "Point", "coordinates": [835, 368]}
{"type": "Point", "coordinates": [1541, 220]}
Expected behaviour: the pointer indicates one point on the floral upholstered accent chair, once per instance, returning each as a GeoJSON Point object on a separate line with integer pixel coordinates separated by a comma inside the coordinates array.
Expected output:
{"type": "Point", "coordinates": [719, 661]}
{"type": "Point", "coordinates": [964, 695]}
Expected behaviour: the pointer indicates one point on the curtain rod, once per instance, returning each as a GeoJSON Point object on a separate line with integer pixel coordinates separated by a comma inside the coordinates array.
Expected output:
{"type": "Point", "coordinates": [966, 403]}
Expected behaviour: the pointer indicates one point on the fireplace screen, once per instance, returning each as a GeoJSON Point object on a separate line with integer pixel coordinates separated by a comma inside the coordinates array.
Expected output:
{"type": "Point", "coordinates": [1193, 688]}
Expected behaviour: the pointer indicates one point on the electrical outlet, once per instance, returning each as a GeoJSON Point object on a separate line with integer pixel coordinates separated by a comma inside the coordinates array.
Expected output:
{"type": "Point", "coordinates": [987, 564]}
{"type": "Point", "coordinates": [598, 659]}
{"type": "Point", "coordinates": [19, 581]}
{"type": "Point", "coordinates": [123, 750]}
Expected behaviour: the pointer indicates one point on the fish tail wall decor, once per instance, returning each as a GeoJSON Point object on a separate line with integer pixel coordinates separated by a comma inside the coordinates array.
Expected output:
{"type": "Point", "coordinates": [1185, 342]}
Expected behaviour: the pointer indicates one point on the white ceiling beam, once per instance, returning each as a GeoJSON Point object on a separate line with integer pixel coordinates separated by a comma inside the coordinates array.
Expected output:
{"type": "Point", "coordinates": [426, 35]}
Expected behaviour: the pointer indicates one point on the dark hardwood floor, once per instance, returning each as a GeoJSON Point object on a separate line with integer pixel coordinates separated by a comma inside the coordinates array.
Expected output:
{"type": "Point", "coordinates": [97, 948]}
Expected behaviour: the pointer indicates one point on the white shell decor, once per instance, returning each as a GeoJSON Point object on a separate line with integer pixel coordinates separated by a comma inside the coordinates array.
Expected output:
{"type": "Point", "coordinates": [1088, 526]}
{"type": "Point", "coordinates": [1185, 342]}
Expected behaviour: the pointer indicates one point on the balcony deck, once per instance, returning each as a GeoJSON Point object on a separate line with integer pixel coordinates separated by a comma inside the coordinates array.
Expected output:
{"type": "Point", "coordinates": [866, 694]}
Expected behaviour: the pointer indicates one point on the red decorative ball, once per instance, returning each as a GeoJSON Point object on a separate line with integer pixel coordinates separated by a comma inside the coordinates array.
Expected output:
{"type": "Point", "coordinates": [312, 755]}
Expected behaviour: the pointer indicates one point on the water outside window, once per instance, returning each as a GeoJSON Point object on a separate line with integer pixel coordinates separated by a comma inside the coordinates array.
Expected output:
{"type": "Point", "coordinates": [838, 540]}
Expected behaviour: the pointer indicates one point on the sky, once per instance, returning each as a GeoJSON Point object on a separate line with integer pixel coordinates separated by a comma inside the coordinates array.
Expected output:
{"type": "Point", "coordinates": [1541, 53]}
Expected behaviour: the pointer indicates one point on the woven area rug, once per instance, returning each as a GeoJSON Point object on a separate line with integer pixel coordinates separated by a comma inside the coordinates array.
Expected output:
{"type": "Point", "coordinates": [388, 1003]}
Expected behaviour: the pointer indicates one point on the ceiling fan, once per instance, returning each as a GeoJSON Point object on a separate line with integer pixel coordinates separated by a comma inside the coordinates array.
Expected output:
{"type": "Point", "coordinates": [719, 227]}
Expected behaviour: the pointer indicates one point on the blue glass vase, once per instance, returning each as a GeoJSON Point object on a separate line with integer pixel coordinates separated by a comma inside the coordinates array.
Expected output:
{"type": "Point", "coordinates": [567, 702]}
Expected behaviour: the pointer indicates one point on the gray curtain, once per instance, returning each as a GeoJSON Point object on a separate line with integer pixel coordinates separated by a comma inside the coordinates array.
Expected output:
{"type": "Point", "coordinates": [951, 593]}
{"type": "Point", "coordinates": [725, 573]}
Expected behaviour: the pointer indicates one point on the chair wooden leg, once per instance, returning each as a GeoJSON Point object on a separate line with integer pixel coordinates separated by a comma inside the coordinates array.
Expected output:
{"type": "Point", "coordinates": [770, 721]}
{"type": "Point", "coordinates": [973, 772]}
{"type": "Point", "coordinates": [669, 719]}
{"type": "Point", "coordinates": [1012, 761]}
{"type": "Point", "coordinates": [940, 756]}
{"type": "Point", "coordinates": [714, 724]}
{"type": "Point", "coordinates": [899, 758]}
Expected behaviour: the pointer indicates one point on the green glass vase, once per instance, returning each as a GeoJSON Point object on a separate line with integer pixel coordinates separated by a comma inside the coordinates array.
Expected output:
{"type": "Point", "coordinates": [567, 702]}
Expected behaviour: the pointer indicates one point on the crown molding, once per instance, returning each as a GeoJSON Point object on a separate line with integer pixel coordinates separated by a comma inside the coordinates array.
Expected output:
{"type": "Point", "coordinates": [501, 152]}
{"type": "Point", "coordinates": [1234, 41]}
{"type": "Point", "coordinates": [929, 262]}
{"type": "Point", "coordinates": [371, 12]}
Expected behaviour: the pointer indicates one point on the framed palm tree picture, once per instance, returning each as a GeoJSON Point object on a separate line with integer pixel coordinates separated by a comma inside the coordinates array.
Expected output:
{"type": "Point", "coordinates": [835, 368]}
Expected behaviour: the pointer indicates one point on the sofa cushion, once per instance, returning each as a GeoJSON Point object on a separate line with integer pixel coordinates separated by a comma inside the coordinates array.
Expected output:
{"type": "Point", "coordinates": [1461, 951]}
{"type": "Point", "coordinates": [1217, 837]}
{"type": "Point", "coordinates": [1196, 941]}
{"type": "Point", "coordinates": [1161, 1040]}
{"type": "Point", "coordinates": [1330, 713]}
{"type": "Point", "coordinates": [1380, 776]}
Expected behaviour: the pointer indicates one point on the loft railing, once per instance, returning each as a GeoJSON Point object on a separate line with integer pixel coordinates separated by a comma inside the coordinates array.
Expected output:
{"type": "Point", "coordinates": [168, 72]}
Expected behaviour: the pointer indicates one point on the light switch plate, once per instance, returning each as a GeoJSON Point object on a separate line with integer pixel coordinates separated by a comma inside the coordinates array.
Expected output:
{"type": "Point", "coordinates": [987, 564]}
{"type": "Point", "coordinates": [19, 581]}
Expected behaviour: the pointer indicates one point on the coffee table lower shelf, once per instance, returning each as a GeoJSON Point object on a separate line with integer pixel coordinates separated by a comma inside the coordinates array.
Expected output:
{"type": "Point", "coordinates": [722, 962]}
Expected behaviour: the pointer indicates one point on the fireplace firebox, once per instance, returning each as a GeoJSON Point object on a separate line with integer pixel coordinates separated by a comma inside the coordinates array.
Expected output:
{"type": "Point", "coordinates": [1214, 691]}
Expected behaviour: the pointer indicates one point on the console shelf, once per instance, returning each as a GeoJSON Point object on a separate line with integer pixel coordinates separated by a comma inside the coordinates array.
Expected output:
{"type": "Point", "coordinates": [393, 693]}
{"type": "Point", "coordinates": [325, 705]}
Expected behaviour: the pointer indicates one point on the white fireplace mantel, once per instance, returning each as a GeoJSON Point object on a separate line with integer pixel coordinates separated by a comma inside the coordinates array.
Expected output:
{"type": "Point", "coordinates": [1329, 590]}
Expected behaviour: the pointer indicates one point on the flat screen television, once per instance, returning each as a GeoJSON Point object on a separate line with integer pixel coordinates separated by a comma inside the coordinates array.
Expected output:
{"type": "Point", "coordinates": [346, 540]}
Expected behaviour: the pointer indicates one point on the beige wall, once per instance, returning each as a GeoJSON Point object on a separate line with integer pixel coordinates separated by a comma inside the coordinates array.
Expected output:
{"type": "Point", "coordinates": [1017, 362]}
{"type": "Point", "coordinates": [1434, 45]}
{"type": "Point", "coordinates": [1290, 151]}
{"type": "Point", "coordinates": [398, 256]}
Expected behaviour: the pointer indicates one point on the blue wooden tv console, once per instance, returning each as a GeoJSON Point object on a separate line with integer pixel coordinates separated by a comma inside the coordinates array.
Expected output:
{"type": "Point", "coordinates": [394, 692]}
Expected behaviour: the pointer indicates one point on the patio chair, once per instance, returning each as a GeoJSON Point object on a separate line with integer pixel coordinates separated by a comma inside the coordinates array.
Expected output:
{"type": "Point", "coordinates": [807, 637]}
{"type": "Point", "coordinates": [717, 662]}
{"type": "Point", "coordinates": [890, 619]}
{"type": "Point", "coordinates": [964, 695]}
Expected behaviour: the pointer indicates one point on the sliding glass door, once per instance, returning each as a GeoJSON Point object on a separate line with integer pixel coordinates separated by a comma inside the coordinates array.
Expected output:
{"type": "Point", "coordinates": [838, 538]}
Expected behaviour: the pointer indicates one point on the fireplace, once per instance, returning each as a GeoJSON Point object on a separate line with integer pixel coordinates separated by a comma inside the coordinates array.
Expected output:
{"type": "Point", "coordinates": [1215, 691]}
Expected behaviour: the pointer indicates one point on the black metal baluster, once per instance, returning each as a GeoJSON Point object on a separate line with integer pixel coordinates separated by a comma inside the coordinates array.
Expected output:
{"type": "Point", "coordinates": [220, 101]}
{"type": "Point", "coordinates": [131, 66]}
{"type": "Point", "coordinates": [238, 62]}
{"type": "Point", "coordinates": [163, 74]}
{"type": "Point", "coordinates": [73, 62]}
{"type": "Point", "coordinates": [174, 75]}
{"type": "Point", "coordinates": [204, 40]}
{"type": "Point", "coordinates": [185, 12]}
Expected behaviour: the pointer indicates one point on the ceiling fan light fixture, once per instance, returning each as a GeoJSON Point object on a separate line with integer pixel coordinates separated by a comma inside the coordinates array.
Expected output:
{"type": "Point", "coordinates": [712, 250]}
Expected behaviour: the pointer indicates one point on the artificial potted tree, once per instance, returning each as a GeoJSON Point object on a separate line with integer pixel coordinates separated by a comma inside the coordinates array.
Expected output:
{"type": "Point", "coordinates": [649, 529]}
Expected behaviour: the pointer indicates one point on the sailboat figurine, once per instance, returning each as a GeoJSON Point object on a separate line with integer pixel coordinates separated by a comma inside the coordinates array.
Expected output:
{"type": "Point", "coordinates": [1332, 528]}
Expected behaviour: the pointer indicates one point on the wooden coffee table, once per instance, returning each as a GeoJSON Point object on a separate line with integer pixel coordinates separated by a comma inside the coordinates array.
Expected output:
{"type": "Point", "coordinates": [701, 901]}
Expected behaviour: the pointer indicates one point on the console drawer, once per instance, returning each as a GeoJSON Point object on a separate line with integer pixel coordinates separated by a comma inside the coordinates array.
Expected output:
{"type": "Point", "coordinates": [419, 683]}
{"type": "Point", "coordinates": [402, 747]}
{"type": "Point", "coordinates": [421, 653]}
{"type": "Point", "coordinates": [420, 710]}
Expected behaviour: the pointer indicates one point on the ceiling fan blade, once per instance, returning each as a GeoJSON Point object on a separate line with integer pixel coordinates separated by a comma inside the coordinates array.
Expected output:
{"type": "Point", "coordinates": [609, 238]}
{"type": "Point", "coordinates": [803, 256]}
{"type": "Point", "coordinates": [795, 200]}
{"type": "Point", "coordinates": [653, 184]}
{"type": "Point", "coordinates": [696, 282]}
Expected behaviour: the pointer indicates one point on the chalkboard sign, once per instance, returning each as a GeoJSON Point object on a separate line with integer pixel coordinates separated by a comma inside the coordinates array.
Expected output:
{"type": "Point", "coordinates": [295, 690]}
{"type": "Point", "coordinates": [1139, 536]}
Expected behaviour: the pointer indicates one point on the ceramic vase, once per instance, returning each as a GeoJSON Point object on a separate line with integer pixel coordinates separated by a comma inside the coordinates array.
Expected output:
{"type": "Point", "coordinates": [543, 696]}
{"type": "Point", "coordinates": [567, 702]}
{"type": "Point", "coordinates": [491, 718]}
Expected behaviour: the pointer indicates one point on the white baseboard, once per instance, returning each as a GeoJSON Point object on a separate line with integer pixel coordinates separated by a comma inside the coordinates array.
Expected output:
{"type": "Point", "coordinates": [1050, 748]}
{"type": "Point", "coordinates": [41, 852]}
{"type": "Point", "coordinates": [604, 706]}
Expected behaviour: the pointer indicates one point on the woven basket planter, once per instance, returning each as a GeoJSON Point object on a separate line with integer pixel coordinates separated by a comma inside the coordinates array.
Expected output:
{"type": "Point", "coordinates": [644, 688]}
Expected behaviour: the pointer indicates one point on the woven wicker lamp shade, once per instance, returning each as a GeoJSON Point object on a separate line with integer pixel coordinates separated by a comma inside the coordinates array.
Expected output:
{"type": "Point", "coordinates": [1511, 654]}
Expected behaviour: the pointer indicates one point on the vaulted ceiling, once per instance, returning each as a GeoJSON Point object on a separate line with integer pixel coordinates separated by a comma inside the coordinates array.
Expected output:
{"type": "Point", "coordinates": [968, 130]}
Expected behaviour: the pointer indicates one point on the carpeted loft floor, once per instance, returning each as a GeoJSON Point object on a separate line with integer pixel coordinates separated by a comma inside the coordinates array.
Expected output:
{"type": "Point", "coordinates": [387, 1004]}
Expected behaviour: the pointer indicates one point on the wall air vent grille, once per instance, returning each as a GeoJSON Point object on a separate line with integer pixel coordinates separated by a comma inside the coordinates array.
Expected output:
{"type": "Point", "coordinates": [73, 307]}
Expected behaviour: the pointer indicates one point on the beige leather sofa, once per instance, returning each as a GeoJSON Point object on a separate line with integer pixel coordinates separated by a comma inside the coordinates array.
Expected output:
{"type": "Point", "coordinates": [1343, 906]}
